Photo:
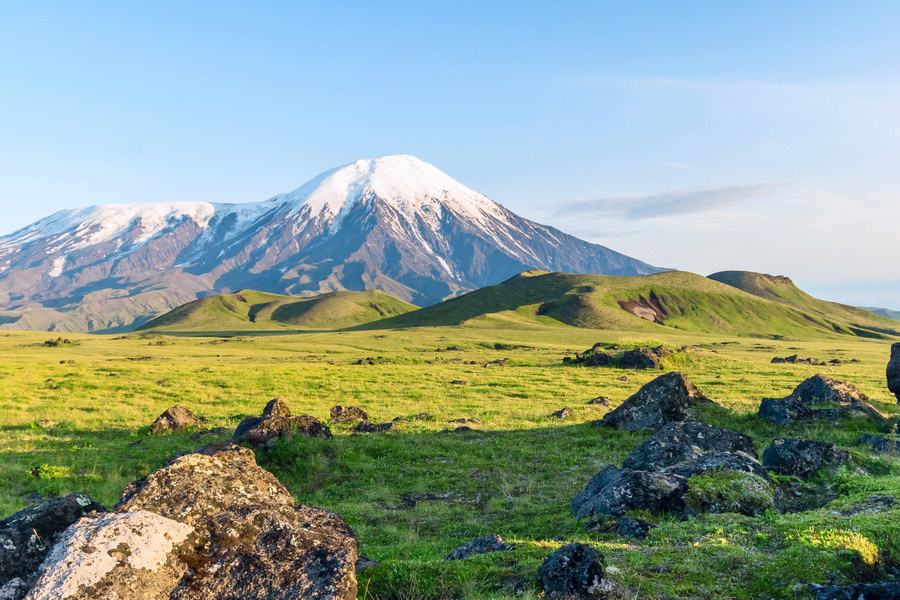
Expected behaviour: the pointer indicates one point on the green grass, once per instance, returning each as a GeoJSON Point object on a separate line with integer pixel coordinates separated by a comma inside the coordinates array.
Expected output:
{"type": "Point", "coordinates": [412, 495]}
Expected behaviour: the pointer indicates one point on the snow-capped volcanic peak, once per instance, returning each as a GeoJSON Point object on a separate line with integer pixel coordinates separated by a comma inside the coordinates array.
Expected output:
{"type": "Point", "coordinates": [405, 182]}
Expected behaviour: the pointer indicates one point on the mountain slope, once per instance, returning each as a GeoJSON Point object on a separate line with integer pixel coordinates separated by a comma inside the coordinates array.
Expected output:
{"type": "Point", "coordinates": [249, 310]}
{"type": "Point", "coordinates": [781, 289]}
{"type": "Point", "coordinates": [395, 223]}
{"type": "Point", "coordinates": [658, 302]}
{"type": "Point", "coordinates": [884, 312]}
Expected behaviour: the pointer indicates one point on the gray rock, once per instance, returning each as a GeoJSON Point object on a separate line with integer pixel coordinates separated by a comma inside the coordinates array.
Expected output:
{"type": "Point", "coordinates": [880, 444]}
{"type": "Point", "coordinates": [489, 543]}
{"type": "Point", "coordinates": [264, 432]}
{"type": "Point", "coordinates": [893, 371]}
{"type": "Point", "coordinates": [573, 571]}
{"type": "Point", "coordinates": [601, 400]}
{"type": "Point", "coordinates": [340, 414]}
{"type": "Point", "coordinates": [678, 442]}
{"type": "Point", "coordinates": [794, 456]}
{"type": "Point", "coordinates": [27, 536]}
{"type": "Point", "coordinates": [820, 388]}
{"type": "Point", "coordinates": [175, 419]}
{"type": "Point", "coordinates": [669, 397]}
{"type": "Point", "coordinates": [783, 411]}
{"type": "Point", "coordinates": [561, 413]}
{"type": "Point", "coordinates": [276, 407]}
{"type": "Point", "coordinates": [889, 590]}
{"type": "Point", "coordinates": [614, 491]}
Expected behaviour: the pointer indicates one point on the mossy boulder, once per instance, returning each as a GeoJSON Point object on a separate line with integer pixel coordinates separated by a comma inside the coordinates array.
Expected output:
{"type": "Point", "coordinates": [729, 492]}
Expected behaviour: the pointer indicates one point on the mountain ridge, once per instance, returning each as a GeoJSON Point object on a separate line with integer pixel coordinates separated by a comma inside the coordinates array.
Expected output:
{"type": "Point", "coordinates": [394, 223]}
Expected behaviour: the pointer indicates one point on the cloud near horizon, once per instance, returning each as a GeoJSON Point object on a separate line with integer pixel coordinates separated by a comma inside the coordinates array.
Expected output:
{"type": "Point", "coordinates": [652, 206]}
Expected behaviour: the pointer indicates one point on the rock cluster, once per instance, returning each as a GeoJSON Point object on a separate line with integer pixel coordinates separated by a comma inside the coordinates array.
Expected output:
{"type": "Point", "coordinates": [670, 397]}
{"type": "Point", "coordinates": [639, 358]}
{"type": "Point", "coordinates": [797, 358]}
{"type": "Point", "coordinates": [842, 400]}
{"type": "Point", "coordinates": [341, 414]}
{"type": "Point", "coordinates": [277, 423]}
{"type": "Point", "coordinates": [489, 543]}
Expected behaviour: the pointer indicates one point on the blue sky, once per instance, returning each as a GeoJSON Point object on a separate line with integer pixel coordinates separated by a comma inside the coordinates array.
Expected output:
{"type": "Point", "coordinates": [696, 135]}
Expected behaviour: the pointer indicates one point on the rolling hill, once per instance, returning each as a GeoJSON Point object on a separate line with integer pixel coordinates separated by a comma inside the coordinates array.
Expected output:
{"type": "Point", "coordinates": [249, 310]}
{"type": "Point", "coordinates": [884, 312]}
{"type": "Point", "coordinates": [658, 302]}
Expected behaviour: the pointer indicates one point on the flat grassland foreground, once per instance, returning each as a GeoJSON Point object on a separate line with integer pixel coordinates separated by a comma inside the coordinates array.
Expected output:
{"type": "Point", "coordinates": [75, 417]}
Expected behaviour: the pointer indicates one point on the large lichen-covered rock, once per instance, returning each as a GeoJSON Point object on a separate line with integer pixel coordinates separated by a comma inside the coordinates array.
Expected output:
{"type": "Point", "coordinates": [26, 537]}
{"type": "Point", "coordinates": [175, 419]}
{"type": "Point", "coordinates": [255, 543]}
{"type": "Point", "coordinates": [893, 371]}
{"type": "Point", "coordinates": [573, 571]}
{"type": "Point", "coordinates": [669, 397]}
{"type": "Point", "coordinates": [821, 388]}
{"type": "Point", "coordinates": [783, 411]}
{"type": "Point", "coordinates": [888, 590]}
{"type": "Point", "coordinates": [264, 432]}
{"type": "Point", "coordinates": [276, 407]}
{"type": "Point", "coordinates": [614, 491]}
{"type": "Point", "coordinates": [115, 556]}
{"type": "Point", "coordinates": [729, 492]}
{"type": "Point", "coordinates": [794, 456]}
{"type": "Point", "coordinates": [678, 442]}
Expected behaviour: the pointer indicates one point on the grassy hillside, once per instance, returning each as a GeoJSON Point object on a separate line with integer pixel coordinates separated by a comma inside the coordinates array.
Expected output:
{"type": "Point", "coordinates": [76, 418]}
{"type": "Point", "coordinates": [653, 303]}
{"type": "Point", "coordinates": [778, 288]}
{"type": "Point", "coordinates": [249, 310]}
{"type": "Point", "coordinates": [884, 312]}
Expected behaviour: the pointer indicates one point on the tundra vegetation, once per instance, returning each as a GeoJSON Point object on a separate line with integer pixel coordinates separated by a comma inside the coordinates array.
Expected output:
{"type": "Point", "coordinates": [76, 418]}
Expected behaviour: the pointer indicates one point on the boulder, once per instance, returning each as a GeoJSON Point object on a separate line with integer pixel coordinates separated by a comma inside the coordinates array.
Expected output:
{"type": "Point", "coordinates": [893, 371]}
{"type": "Point", "coordinates": [340, 414]}
{"type": "Point", "coordinates": [888, 590]}
{"type": "Point", "coordinates": [561, 413]}
{"type": "Point", "coordinates": [601, 400]}
{"type": "Point", "coordinates": [115, 555]}
{"type": "Point", "coordinates": [640, 358]}
{"type": "Point", "coordinates": [669, 397]}
{"type": "Point", "coordinates": [797, 358]}
{"type": "Point", "coordinates": [573, 571]}
{"type": "Point", "coordinates": [729, 491]}
{"type": "Point", "coordinates": [489, 543]}
{"type": "Point", "coordinates": [264, 432]}
{"type": "Point", "coordinates": [614, 491]}
{"type": "Point", "coordinates": [597, 359]}
{"type": "Point", "coordinates": [719, 461]}
{"type": "Point", "coordinates": [276, 407]}
{"type": "Point", "coordinates": [782, 411]}
{"type": "Point", "coordinates": [26, 536]}
{"type": "Point", "coordinates": [366, 427]}
{"type": "Point", "coordinates": [175, 419]}
{"type": "Point", "coordinates": [678, 442]}
{"type": "Point", "coordinates": [820, 388]}
{"type": "Point", "coordinates": [253, 542]}
{"type": "Point", "coordinates": [880, 444]}
{"type": "Point", "coordinates": [626, 526]}
{"type": "Point", "coordinates": [794, 456]}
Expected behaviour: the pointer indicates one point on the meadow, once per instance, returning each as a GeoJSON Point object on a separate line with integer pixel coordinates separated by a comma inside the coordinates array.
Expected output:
{"type": "Point", "coordinates": [76, 417]}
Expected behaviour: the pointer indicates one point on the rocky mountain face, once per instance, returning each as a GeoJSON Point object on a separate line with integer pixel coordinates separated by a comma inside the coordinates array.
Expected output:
{"type": "Point", "coordinates": [394, 223]}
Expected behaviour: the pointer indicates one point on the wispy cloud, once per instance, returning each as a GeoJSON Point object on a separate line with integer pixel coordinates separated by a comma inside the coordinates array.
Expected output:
{"type": "Point", "coordinates": [673, 203]}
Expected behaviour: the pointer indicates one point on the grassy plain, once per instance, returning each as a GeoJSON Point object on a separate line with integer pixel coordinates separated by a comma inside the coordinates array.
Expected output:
{"type": "Point", "coordinates": [76, 418]}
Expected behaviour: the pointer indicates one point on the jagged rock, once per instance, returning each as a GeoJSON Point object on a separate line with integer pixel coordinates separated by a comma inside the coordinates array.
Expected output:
{"type": "Point", "coordinates": [719, 461]}
{"type": "Point", "coordinates": [782, 411]}
{"type": "Point", "coordinates": [613, 491]}
{"type": "Point", "coordinates": [640, 358]}
{"type": "Point", "coordinates": [627, 526]}
{"type": "Point", "coordinates": [601, 400]}
{"type": "Point", "coordinates": [669, 397]}
{"type": "Point", "coordinates": [340, 414]}
{"type": "Point", "coordinates": [561, 413]}
{"type": "Point", "coordinates": [489, 543]}
{"type": "Point", "coordinates": [254, 542]}
{"type": "Point", "coordinates": [263, 432]}
{"type": "Point", "coordinates": [115, 555]}
{"type": "Point", "coordinates": [880, 444]}
{"type": "Point", "coordinates": [678, 442]}
{"type": "Point", "coordinates": [366, 427]}
{"type": "Point", "coordinates": [573, 571]}
{"type": "Point", "coordinates": [794, 456]}
{"type": "Point", "coordinates": [26, 536]}
{"type": "Point", "coordinates": [893, 371]}
{"type": "Point", "coordinates": [175, 419]}
{"type": "Point", "coordinates": [820, 388]}
{"type": "Point", "coordinates": [889, 590]}
{"type": "Point", "coordinates": [276, 407]}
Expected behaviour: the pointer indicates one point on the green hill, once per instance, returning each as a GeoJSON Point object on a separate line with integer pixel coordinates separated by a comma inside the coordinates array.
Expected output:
{"type": "Point", "coordinates": [249, 310]}
{"type": "Point", "coordinates": [651, 303]}
{"type": "Point", "coordinates": [778, 288]}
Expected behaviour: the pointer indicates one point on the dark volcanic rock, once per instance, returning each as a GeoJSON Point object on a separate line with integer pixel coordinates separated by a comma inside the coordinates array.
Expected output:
{"type": "Point", "coordinates": [489, 543]}
{"type": "Point", "coordinates": [669, 397]}
{"type": "Point", "coordinates": [601, 400]}
{"type": "Point", "coordinates": [889, 590]}
{"type": "Point", "coordinates": [880, 444]}
{"type": "Point", "coordinates": [627, 526]}
{"type": "Point", "coordinates": [613, 491]}
{"type": "Point", "coordinates": [782, 411]}
{"type": "Point", "coordinates": [252, 541]}
{"type": "Point", "coordinates": [263, 432]}
{"type": "Point", "coordinates": [893, 371]}
{"type": "Point", "coordinates": [794, 456]}
{"type": "Point", "coordinates": [678, 442]}
{"type": "Point", "coordinates": [573, 571]}
{"type": "Point", "coordinates": [820, 388]}
{"type": "Point", "coordinates": [276, 407]}
{"type": "Point", "coordinates": [26, 537]}
{"type": "Point", "coordinates": [340, 414]}
{"type": "Point", "coordinates": [175, 419]}
{"type": "Point", "coordinates": [561, 413]}
{"type": "Point", "coordinates": [366, 427]}
{"type": "Point", "coordinates": [640, 358]}
{"type": "Point", "coordinates": [797, 358]}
